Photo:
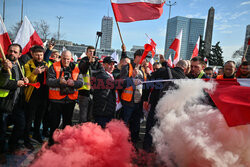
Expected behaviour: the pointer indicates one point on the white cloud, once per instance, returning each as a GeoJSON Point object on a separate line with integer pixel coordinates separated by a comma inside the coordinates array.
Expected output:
{"type": "Point", "coordinates": [245, 3]}
{"type": "Point", "coordinates": [236, 15]}
{"type": "Point", "coordinates": [197, 15]}
{"type": "Point", "coordinates": [222, 26]}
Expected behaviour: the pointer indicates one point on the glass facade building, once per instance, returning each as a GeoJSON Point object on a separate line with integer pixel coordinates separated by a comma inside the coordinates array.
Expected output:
{"type": "Point", "coordinates": [191, 28]}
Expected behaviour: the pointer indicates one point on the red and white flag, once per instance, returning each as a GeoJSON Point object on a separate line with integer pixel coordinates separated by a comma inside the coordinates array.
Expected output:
{"type": "Point", "coordinates": [153, 44]}
{"type": "Point", "coordinates": [27, 36]}
{"type": "Point", "coordinates": [136, 10]}
{"type": "Point", "coordinates": [196, 48]}
{"type": "Point", "coordinates": [4, 37]}
{"type": "Point", "coordinates": [170, 63]}
{"type": "Point", "coordinates": [148, 48]}
{"type": "Point", "coordinates": [176, 46]}
{"type": "Point", "coordinates": [233, 104]}
{"type": "Point", "coordinates": [151, 63]}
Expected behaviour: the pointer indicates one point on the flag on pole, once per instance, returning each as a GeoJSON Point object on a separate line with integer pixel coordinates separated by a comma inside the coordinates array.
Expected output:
{"type": "Point", "coordinates": [27, 36]}
{"type": "Point", "coordinates": [196, 48]}
{"type": "Point", "coordinates": [170, 63]}
{"type": "Point", "coordinates": [148, 48]}
{"type": "Point", "coordinates": [176, 46]}
{"type": "Point", "coordinates": [136, 10]}
{"type": "Point", "coordinates": [248, 42]}
{"type": "Point", "coordinates": [4, 37]}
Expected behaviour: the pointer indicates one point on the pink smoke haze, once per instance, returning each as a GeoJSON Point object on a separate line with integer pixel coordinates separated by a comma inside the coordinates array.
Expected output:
{"type": "Point", "coordinates": [88, 145]}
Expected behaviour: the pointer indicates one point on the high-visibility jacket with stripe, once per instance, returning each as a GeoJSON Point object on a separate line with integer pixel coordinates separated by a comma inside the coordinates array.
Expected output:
{"type": "Point", "coordinates": [54, 93]}
{"type": "Point", "coordinates": [5, 92]}
{"type": "Point", "coordinates": [127, 93]}
{"type": "Point", "coordinates": [86, 82]}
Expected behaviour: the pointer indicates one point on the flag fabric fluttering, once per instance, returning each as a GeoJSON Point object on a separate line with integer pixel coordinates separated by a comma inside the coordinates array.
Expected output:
{"type": "Point", "coordinates": [4, 37]}
{"type": "Point", "coordinates": [27, 36]}
{"type": "Point", "coordinates": [233, 104]}
{"type": "Point", "coordinates": [136, 10]}
{"type": "Point", "coordinates": [153, 44]}
{"type": "Point", "coordinates": [176, 46]}
{"type": "Point", "coordinates": [196, 48]}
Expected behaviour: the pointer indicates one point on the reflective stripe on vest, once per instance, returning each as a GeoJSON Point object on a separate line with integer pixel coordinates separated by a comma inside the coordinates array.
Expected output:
{"type": "Point", "coordinates": [201, 74]}
{"type": "Point", "coordinates": [5, 92]}
{"type": "Point", "coordinates": [86, 82]}
{"type": "Point", "coordinates": [54, 93]}
{"type": "Point", "coordinates": [127, 94]}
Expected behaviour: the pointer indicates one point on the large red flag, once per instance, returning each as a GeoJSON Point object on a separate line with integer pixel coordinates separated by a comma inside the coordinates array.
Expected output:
{"type": "Point", "coordinates": [27, 36]}
{"type": "Point", "coordinates": [136, 10]}
{"type": "Point", "coordinates": [233, 101]}
{"type": "Point", "coordinates": [176, 46]}
{"type": "Point", "coordinates": [196, 48]}
{"type": "Point", "coordinates": [4, 37]}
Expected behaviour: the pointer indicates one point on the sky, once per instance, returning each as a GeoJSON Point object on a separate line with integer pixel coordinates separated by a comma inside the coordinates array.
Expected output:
{"type": "Point", "coordinates": [82, 19]}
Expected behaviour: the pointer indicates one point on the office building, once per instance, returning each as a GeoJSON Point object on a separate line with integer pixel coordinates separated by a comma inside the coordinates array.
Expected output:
{"type": "Point", "coordinates": [107, 30]}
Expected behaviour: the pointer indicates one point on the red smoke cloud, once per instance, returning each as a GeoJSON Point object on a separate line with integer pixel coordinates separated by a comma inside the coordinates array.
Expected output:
{"type": "Point", "coordinates": [88, 145]}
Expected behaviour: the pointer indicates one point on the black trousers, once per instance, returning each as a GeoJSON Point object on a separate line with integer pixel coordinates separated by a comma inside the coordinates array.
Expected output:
{"type": "Point", "coordinates": [35, 111]}
{"type": "Point", "coordinates": [57, 110]}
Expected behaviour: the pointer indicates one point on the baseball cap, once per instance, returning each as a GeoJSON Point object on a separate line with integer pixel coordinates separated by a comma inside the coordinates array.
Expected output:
{"type": "Point", "coordinates": [109, 59]}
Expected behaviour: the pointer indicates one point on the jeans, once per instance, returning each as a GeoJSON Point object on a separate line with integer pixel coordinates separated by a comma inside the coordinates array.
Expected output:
{"type": "Point", "coordinates": [84, 108]}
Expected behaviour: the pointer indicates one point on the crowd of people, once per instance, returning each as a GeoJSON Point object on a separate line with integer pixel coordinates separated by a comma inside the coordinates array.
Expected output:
{"type": "Point", "coordinates": [97, 86]}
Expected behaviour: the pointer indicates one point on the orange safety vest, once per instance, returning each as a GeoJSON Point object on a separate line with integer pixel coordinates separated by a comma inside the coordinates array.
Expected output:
{"type": "Point", "coordinates": [54, 93]}
{"type": "Point", "coordinates": [127, 94]}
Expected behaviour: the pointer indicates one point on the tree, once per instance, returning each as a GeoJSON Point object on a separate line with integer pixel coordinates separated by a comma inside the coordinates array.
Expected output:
{"type": "Point", "coordinates": [215, 57]}
{"type": "Point", "coordinates": [42, 28]}
{"type": "Point", "coordinates": [14, 30]}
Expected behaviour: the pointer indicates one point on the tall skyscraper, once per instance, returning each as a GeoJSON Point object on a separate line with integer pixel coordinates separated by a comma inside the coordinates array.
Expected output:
{"type": "Point", "coordinates": [107, 30]}
{"type": "Point", "coordinates": [209, 31]}
{"type": "Point", "coordinates": [192, 28]}
{"type": "Point", "coordinates": [246, 41]}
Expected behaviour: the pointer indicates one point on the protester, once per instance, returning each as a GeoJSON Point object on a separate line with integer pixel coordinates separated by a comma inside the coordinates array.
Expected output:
{"type": "Point", "coordinates": [131, 98]}
{"type": "Point", "coordinates": [221, 71]}
{"type": "Point", "coordinates": [153, 94]}
{"type": "Point", "coordinates": [36, 99]}
{"type": "Point", "coordinates": [63, 80]}
{"type": "Point", "coordinates": [244, 70]}
{"type": "Point", "coordinates": [12, 97]}
{"type": "Point", "coordinates": [229, 70]}
{"type": "Point", "coordinates": [156, 66]}
{"type": "Point", "coordinates": [197, 67]}
{"type": "Point", "coordinates": [88, 66]}
{"type": "Point", "coordinates": [209, 72]}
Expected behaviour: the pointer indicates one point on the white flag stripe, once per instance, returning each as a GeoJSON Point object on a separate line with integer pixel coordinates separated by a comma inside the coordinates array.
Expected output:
{"type": "Point", "coordinates": [2, 27]}
{"type": "Point", "coordinates": [25, 32]}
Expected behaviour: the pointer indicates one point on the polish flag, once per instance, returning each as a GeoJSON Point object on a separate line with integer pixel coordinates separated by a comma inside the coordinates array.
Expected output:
{"type": "Point", "coordinates": [148, 48]}
{"type": "Point", "coordinates": [233, 104]}
{"type": "Point", "coordinates": [153, 44]}
{"type": "Point", "coordinates": [170, 63]}
{"type": "Point", "coordinates": [136, 10]}
{"type": "Point", "coordinates": [4, 37]}
{"type": "Point", "coordinates": [196, 48]}
{"type": "Point", "coordinates": [176, 46]}
{"type": "Point", "coordinates": [27, 36]}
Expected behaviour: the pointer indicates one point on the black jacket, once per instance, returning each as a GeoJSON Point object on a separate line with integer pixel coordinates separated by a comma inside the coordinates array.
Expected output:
{"type": "Point", "coordinates": [154, 90]}
{"type": "Point", "coordinates": [104, 96]}
{"type": "Point", "coordinates": [93, 68]}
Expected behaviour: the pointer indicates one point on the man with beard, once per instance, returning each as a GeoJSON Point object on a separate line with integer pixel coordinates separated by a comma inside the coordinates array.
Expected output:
{"type": "Point", "coordinates": [244, 70]}
{"type": "Point", "coordinates": [36, 99]}
{"type": "Point", "coordinates": [12, 97]}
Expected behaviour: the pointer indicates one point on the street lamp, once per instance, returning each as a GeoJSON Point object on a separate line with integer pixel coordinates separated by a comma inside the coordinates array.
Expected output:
{"type": "Point", "coordinates": [170, 5]}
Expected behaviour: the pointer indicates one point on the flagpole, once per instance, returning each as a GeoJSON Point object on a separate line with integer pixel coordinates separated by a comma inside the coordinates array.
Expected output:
{"type": "Point", "coordinates": [4, 58]}
{"type": "Point", "coordinates": [244, 57]}
{"type": "Point", "coordinates": [119, 31]}
{"type": "Point", "coordinates": [20, 68]}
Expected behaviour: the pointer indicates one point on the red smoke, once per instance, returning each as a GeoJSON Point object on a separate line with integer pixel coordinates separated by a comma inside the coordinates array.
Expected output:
{"type": "Point", "coordinates": [88, 145]}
